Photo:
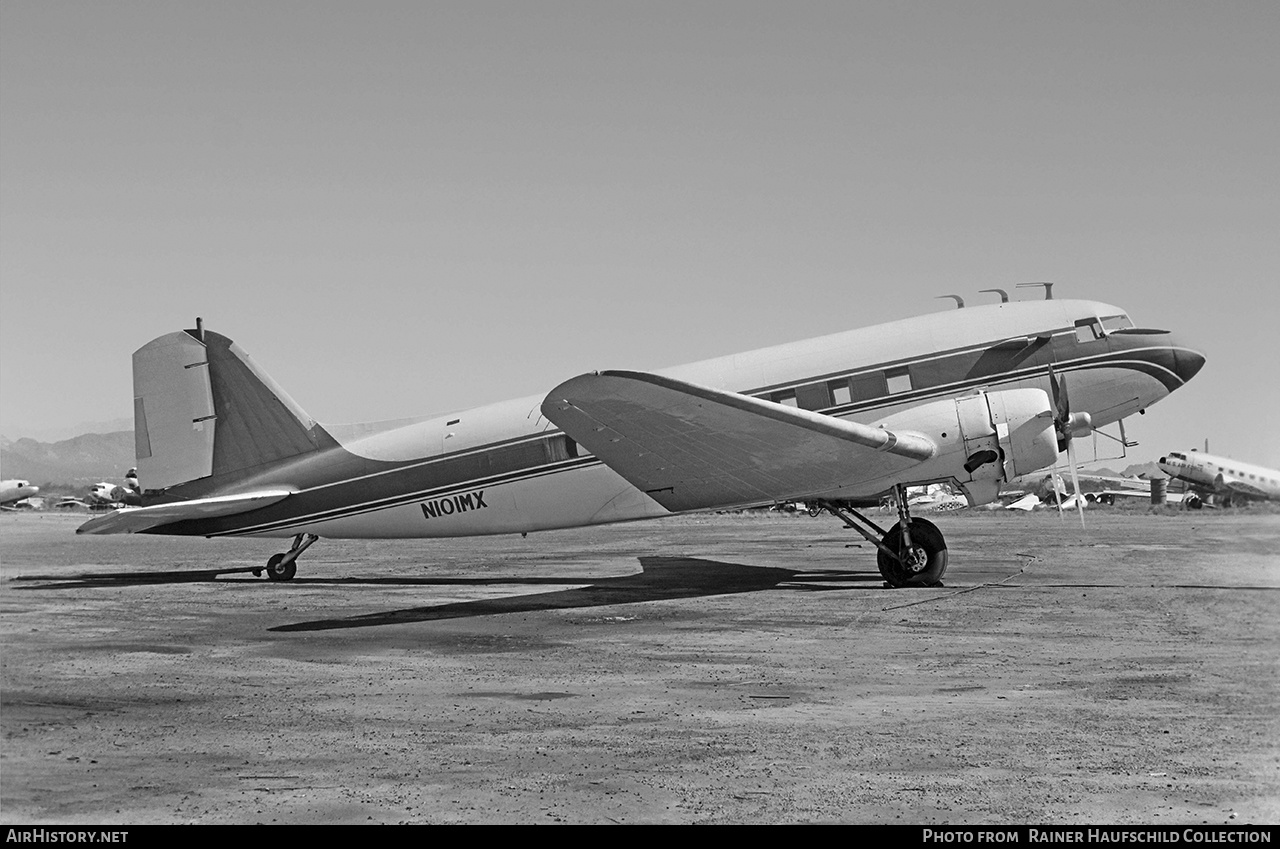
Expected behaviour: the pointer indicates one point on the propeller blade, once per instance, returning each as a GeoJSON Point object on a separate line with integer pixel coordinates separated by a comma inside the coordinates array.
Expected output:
{"type": "Point", "coordinates": [1061, 404]}
{"type": "Point", "coordinates": [1075, 479]}
{"type": "Point", "coordinates": [1057, 493]}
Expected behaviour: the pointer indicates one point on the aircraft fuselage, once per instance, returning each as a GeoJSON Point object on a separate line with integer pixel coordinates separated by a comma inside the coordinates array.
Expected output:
{"type": "Point", "coordinates": [504, 468]}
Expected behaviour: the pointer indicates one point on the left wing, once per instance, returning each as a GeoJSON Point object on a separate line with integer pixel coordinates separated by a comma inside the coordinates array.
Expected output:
{"type": "Point", "coordinates": [691, 447]}
{"type": "Point", "coordinates": [1239, 487]}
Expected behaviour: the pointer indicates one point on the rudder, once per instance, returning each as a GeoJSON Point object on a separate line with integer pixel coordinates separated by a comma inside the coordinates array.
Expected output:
{"type": "Point", "coordinates": [203, 408]}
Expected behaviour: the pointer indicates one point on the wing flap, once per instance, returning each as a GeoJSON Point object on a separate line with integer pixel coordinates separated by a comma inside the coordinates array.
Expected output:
{"type": "Point", "coordinates": [691, 447]}
{"type": "Point", "coordinates": [132, 520]}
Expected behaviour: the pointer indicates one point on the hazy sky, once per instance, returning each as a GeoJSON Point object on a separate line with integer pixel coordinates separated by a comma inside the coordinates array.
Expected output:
{"type": "Point", "coordinates": [402, 208]}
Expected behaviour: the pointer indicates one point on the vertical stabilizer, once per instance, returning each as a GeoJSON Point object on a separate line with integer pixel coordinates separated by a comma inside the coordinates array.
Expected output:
{"type": "Point", "coordinates": [173, 417]}
{"type": "Point", "coordinates": [203, 408]}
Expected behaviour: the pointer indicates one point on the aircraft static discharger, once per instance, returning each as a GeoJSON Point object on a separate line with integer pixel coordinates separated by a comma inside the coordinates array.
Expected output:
{"type": "Point", "coordinates": [971, 397]}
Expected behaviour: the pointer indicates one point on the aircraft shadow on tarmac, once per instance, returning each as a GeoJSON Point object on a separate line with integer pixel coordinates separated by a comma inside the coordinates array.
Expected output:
{"type": "Point", "coordinates": [661, 579]}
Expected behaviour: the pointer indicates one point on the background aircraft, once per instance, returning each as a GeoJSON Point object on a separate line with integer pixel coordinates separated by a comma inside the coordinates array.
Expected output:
{"type": "Point", "coordinates": [105, 494]}
{"type": "Point", "coordinates": [1027, 502]}
{"type": "Point", "coordinates": [972, 398]}
{"type": "Point", "coordinates": [1221, 478]}
{"type": "Point", "coordinates": [936, 497]}
{"type": "Point", "coordinates": [13, 491]}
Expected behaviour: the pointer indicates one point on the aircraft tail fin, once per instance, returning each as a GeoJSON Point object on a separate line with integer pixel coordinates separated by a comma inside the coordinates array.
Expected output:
{"type": "Point", "coordinates": [203, 408]}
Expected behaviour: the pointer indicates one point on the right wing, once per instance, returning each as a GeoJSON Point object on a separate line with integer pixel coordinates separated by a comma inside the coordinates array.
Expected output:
{"type": "Point", "coordinates": [132, 520]}
{"type": "Point", "coordinates": [691, 447]}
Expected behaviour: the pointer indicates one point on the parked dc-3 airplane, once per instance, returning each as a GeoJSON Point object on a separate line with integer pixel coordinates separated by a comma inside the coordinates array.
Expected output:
{"type": "Point", "coordinates": [972, 397]}
{"type": "Point", "coordinates": [1222, 477]}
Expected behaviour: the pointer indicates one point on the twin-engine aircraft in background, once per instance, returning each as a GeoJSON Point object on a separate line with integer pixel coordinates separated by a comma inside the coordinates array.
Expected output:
{"type": "Point", "coordinates": [972, 397]}
{"type": "Point", "coordinates": [1221, 478]}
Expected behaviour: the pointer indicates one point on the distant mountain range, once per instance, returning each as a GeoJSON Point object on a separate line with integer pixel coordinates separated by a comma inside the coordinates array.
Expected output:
{"type": "Point", "coordinates": [61, 433]}
{"type": "Point", "coordinates": [75, 462]}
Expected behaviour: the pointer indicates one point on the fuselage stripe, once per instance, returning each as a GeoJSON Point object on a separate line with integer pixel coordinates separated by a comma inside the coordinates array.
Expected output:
{"type": "Point", "coordinates": [1119, 359]}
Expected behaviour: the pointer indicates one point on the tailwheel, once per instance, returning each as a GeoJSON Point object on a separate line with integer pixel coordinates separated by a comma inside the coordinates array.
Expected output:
{"type": "Point", "coordinates": [923, 565]}
{"type": "Point", "coordinates": [278, 569]}
{"type": "Point", "coordinates": [283, 566]}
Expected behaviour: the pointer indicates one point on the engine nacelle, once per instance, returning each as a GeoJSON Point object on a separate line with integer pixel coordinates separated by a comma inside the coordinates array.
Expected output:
{"type": "Point", "coordinates": [984, 440]}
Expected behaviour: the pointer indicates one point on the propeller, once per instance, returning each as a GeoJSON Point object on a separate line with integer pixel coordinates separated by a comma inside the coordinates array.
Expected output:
{"type": "Point", "coordinates": [1068, 425]}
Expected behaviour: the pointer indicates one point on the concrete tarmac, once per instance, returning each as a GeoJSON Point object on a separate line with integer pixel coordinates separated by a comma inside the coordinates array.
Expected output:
{"type": "Point", "coordinates": [745, 668]}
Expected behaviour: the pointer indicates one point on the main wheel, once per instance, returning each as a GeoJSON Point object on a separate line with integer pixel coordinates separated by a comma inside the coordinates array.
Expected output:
{"type": "Point", "coordinates": [278, 570]}
{"type": "Point", "coordinates": [930, 560]}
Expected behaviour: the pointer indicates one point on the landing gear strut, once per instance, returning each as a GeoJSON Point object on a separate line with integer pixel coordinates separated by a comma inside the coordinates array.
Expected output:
{"type": "Point", "coordinates": [283, 566]}
{"type": "Point", "coordinates": [912, 553]}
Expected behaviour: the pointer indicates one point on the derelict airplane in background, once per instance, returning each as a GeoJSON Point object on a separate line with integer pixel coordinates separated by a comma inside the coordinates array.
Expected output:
{"type": "Point", "coordinates": [107, 494]}
{"type": "Point", "coordinates": [971, 397]}
{"type": "Point", "coordinates": [1222, 477]}
{"type": "Point", "coordinates": [13, 491]}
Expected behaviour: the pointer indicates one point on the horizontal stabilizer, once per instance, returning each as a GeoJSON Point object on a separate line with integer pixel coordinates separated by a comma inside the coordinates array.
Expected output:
{"type": "Point", "coordinates": [132, 520]}
{"type": "Point", "coordinates": [691, 447]}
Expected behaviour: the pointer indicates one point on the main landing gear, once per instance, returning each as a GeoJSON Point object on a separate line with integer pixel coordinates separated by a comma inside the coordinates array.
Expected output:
{"type": "Point", "coordinates": [283, 566]}
{"type": "Point", "coordinates": [912, 553]}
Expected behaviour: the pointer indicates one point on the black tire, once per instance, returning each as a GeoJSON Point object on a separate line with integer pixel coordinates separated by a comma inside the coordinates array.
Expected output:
{"type": "Point", "coordinates": [924, 535]}
{"type": "Point", "coordinates": [278, 570]}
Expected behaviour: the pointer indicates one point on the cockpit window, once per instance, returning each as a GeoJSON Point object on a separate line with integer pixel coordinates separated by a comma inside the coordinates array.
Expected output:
{"type": "Point", "coordinates": [1178, 456]}
{"type": "Point", "coordinates": [1087, 330]}
{"type": "Point", "coordinates": [1112, 323]}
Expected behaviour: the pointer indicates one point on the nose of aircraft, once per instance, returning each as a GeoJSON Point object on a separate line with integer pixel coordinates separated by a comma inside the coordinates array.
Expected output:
{"type": "Point", "coordinates": [1187, 362]}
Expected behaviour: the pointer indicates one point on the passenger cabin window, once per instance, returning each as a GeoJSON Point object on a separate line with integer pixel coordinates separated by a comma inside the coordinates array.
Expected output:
{"type": "Point", "coordinates": [866, 387]}
{"type": "Point", "coordinates": [840, 393]}
{"type": "Point", "coordinates": [557, 448]}
{"type": "Point", "coordinates": [898, 380]}
{"type": "Point", "coordinates": [787, 398]}
{"type": "Point", "coordinates": [814, 397]}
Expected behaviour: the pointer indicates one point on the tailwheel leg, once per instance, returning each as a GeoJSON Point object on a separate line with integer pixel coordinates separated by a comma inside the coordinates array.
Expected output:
{"type": "Point", "coordinates": [283, 566]}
